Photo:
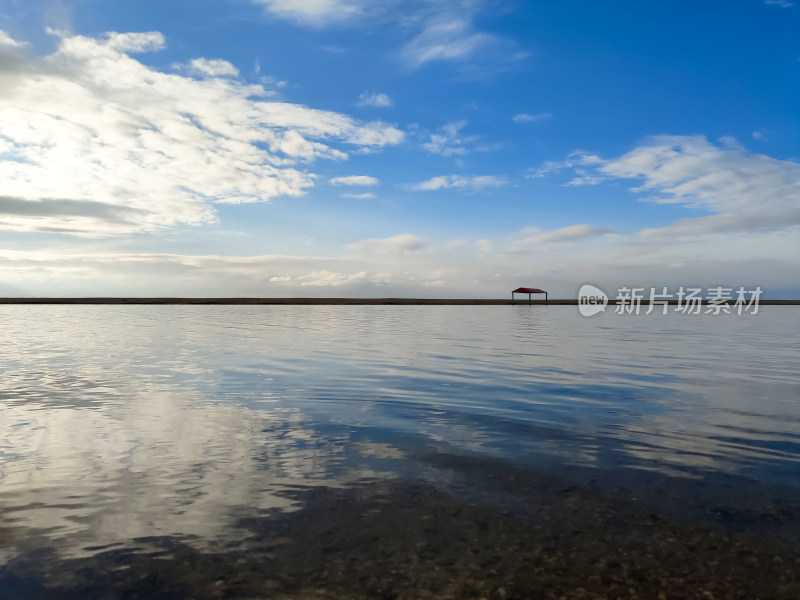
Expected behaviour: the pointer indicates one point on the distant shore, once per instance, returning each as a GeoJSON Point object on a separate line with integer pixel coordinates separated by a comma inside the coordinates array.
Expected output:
{"type": "Point", "coordinates": [333, 301]}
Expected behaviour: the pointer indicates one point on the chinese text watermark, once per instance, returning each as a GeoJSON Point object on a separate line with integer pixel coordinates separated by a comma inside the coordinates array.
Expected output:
{"type": "Point", "coordinates": [684, 300]}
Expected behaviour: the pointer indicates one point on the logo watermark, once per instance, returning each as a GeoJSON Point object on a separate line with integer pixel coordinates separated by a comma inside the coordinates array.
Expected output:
{"type": "Point", "coordinates": [685, 300]}
{"type": "Point", "coordinates": [591, 300]}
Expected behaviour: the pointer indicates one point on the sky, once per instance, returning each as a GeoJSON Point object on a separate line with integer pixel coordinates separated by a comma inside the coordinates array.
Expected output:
{"type": "Point", "coordinates": [456, 148]}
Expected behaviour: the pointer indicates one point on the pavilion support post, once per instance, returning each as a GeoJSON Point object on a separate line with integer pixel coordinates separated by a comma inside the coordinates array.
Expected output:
{"type": "Point", "coordinates": [545, 299]}
{"type": "Point", "coordinates": [529, 298]}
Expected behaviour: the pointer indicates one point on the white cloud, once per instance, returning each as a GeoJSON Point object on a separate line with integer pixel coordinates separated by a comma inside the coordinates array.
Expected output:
{"type": "Point", "coordinates": [354, 180]}
{"type": "Point", "coordinates": [445, 38]}
{"type": "Point", "coordinates": [458, 181]}
{"type": "Point", "coordinates": [375, 134]}
{"type": "Point", "coordinates": [586, 178]}
{"type": "Point", "coordinates": [215, 67]}
{"type": "Point", "coordinates": [484, 246]}
{"type": "Point", "coordinates": [739, 190]}
{"type": "Point", "coordinates": [377, 100]}
{"type": "Point", "coordinates": [96, 143]}
{"type": "Point", "coordinates": [148, 41]}
{"type": "Point", "coordinates": [317, 13]}
{"type": "Point", "coordinates": [441, 31]}
{"type": "Point", "coordinates": [757, 135]}
{"type": "Point", "coordinates": [331, 278]}
{"type": "Point", "coordinates": [397, 244]}
{"type": "Point", "coordinates": [448, 141]}
{"type": "Point", "coordinates": [9, 42]}
{"type": "Point", "coordinates": [781, 3]}
{"type": "Point", "coordinates": [548, 168]}
{"type": "Point", "coordinates": [526, 118]}
{"type": "Point", "coordinates": [411, 267]}
{"type": "Point", "coordinates": [534, 235]}
{"type": "Point", "coordinates": [577, 160]}
{"type": "Point", "coordinates": [742, 191]}
{"type": "Point", "coordinates": [54, 274]}
{"type": "Point", "coordinates": [364, 196]}
{"type": "Point", "coordinates": [448, 33]}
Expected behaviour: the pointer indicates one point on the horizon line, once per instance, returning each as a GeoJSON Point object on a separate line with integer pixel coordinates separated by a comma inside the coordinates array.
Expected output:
{"type": "Point", "coordinates": [253, 300]}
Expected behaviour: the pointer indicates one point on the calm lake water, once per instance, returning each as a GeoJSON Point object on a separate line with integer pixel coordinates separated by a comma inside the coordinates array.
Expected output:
{"type": "Point", "coordinates": [188, 434]}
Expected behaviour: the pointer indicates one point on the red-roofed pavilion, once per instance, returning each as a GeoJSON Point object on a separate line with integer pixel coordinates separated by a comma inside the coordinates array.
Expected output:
{"type": "Point", "coordinates": [529, 291]}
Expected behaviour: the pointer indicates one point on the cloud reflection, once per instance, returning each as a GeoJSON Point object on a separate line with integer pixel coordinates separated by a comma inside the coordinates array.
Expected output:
{"type": "Point", "coordinates": [126, 422]}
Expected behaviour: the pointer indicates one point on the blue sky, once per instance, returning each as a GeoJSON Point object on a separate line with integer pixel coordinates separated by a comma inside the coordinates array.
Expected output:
{"type": "Point", "coordinates": [353, 148]}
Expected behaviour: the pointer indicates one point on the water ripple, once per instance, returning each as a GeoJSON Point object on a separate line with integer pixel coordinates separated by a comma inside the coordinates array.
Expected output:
{"type": "Point", "coordinates": [125, 422]}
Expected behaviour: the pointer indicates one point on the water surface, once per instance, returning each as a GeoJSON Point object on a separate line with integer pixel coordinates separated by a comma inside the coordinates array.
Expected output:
{"type": "Point", "coordinates": [136, 430]}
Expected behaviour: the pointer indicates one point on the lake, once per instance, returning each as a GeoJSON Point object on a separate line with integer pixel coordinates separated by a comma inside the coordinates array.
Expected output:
{"type": "Point", "coordinates": [398, 452]}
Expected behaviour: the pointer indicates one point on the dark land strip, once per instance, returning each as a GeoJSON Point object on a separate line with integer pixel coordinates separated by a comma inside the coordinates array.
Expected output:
{"type": "Point", "coordinates": [335, 301]}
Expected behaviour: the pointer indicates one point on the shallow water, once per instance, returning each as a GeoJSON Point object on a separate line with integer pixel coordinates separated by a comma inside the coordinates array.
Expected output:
{"type": "Point", "coordinates": [123, 428]}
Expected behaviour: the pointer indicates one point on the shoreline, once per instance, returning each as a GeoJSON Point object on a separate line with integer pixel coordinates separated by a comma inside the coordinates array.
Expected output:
{"type": "Point", "coordinates": [337, 301]}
